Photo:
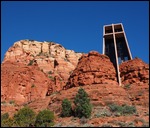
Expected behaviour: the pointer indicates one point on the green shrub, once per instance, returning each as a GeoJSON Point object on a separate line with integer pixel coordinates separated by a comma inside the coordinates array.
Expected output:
{"type": "Point", "coordinates": [50, 72]}
{"type": "Point", "coordinates": [127, 86]}
{"type": "Point", "coordinates": [128, 109]}
{"type": "Point", "coordinates": [4, 116]}
{"type": "Point", "coordinates": [82, 102]}
{"type": "Point", "coordinates": [103, 113]}
{"type": "Point", "coordinates": [123, 110]}
{"type": "Point", "coordinates": [44, 118]}
{"type": "Point", "coordinates": [51, 77]}
{"type": "Point", "coordinates": [66, 108]}
{"type": "Point", "coordinates": [3, 102]}
{"type": "Point", "coordinates": [130, 124]}
{"type": "Point", "coordinates": [11, 101]}
{"type": "Point", "coordinates": [7, 123]}
{"type": "Point", "coordinates": [31, 62]}
{"type": "Point", "coordinates": [25, 117]}
{"type": "Point", "coordinates": [124, 124]}
{"type": "Point", "coordinates": [114, 107]}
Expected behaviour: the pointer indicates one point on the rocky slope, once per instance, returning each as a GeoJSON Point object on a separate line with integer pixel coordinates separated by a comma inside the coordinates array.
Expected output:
{"type": "Point", "coordinates": [100, 95]}
{"type": "Point", "coordinates": [51, 58]}
{"type": "Point", "coordinates": [42, 74]}
{"type": "Point", "coordinates": [135, 78]}
{"type": "Point", "coordinates": [22, 84]}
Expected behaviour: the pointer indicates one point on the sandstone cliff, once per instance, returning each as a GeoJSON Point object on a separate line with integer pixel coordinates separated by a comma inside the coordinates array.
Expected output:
{"type": "Point", "coordinates": [23, 84]}
{"type": "Point", "coordinates": [134, 71]}
{"type": "Point", "coordinates": [51, 58]}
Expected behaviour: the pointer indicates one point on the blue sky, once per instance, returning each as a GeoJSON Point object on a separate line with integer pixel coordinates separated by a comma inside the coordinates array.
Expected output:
{"type": "Point", "coordinates": [75, 25]}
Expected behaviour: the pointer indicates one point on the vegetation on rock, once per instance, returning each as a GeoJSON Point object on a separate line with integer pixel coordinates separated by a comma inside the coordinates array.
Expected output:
{"type": "Point", "coordinates": [25, 117]}
{"type": "Point", "coordinates": [123, 110]}
{"type": "Point", "coordinates": [82, 109]}
{"type": "Point", "coordinates": [30, 63]}
{"type": "Point", "coordinates": [66, 108]}
{"type": "Point", "coordinates": [82, 102]}
{"type": "Point", "coordinates": [44, 119]}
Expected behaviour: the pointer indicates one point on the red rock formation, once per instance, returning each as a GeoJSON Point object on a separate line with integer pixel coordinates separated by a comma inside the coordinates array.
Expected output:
{"type": "Point", "coordinates": [134, 71]}
{"type": "Point", "coordinates": [46, 54]}
{"type": "Point", "coordinates": [135, 78]}
{"type": "Point", "coordinates": [21, 83]}
{"type": "Point", "coordinates": [40, 85]}
{"type": "Point", "coordinates": [93, 68]}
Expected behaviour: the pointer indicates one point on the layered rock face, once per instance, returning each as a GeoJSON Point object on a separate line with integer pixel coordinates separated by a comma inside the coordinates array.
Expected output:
{"type": "Point", "coordinates": [135, 78]}
{"type": "Point", "coordinates": [51, 58]}
{"type": "Point", "coordinates": [134, 71]}
{"type": "Point", "coordinates": [138, 93]}
{"type": "Point", "coordinates": [93, 68]}
{"type": "Point", "coordinates": [23, 84]}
